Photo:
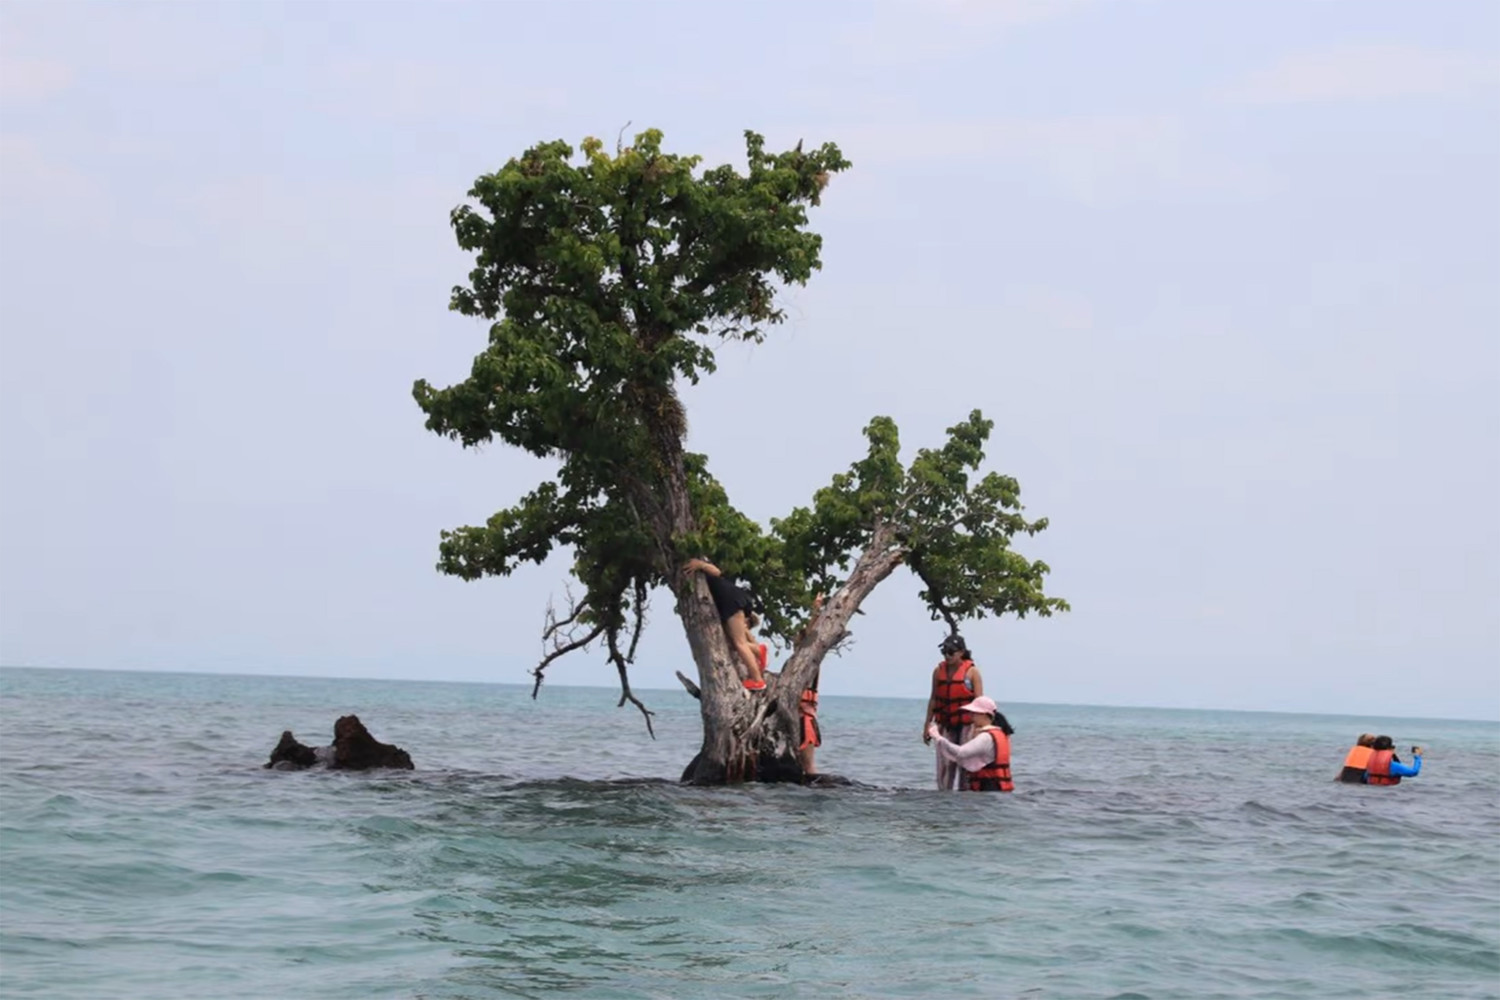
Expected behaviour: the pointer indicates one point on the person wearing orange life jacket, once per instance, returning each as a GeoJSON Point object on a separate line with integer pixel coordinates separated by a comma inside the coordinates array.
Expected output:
{"type": "Point", "coordinates": [807, 704]}
{"type": "Point", "coordinates": [812, 736]}
{"type": "Point", "coordinates": [807, 708]}
{"type": "Point", "coordinates": [1353, 772]}
{"type": "Point", "coordinates": [986, 757]}
{"type": "Point", "coordinates": [955, 681]}
{"type": "Point", "coordinates": [1385, 768]}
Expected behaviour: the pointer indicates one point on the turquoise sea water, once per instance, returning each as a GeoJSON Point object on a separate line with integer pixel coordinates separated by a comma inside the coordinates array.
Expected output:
{"type": "Point", "coordinates": [1145, 854]}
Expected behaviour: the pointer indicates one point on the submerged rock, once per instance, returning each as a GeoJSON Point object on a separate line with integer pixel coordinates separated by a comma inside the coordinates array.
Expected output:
{"type": "Point", "coordinates": [290, 755]}
{"type": "Point", "coordinates": [352, 749]}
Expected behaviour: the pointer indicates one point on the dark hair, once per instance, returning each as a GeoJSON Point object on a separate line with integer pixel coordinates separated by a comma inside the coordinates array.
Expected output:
{"type": "Point", "coordinates": [1004, 723]}
{"type": "Point", "coordinates": [1383, 743]}
{"type": "Point", "coordinates": [954, 644]}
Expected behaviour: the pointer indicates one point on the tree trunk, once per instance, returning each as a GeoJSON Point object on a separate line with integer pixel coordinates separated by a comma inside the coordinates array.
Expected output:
{"type": "Point", "coordinates": [722, 758]}
{"type": "Point", "coordinates": [747, 736]}
{"type": "Point", "coordinates": [753, 736]}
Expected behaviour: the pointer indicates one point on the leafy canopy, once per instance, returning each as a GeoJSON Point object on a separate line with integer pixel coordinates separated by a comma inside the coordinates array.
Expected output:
{"type": "Point", "coordinates": [610, 277]}
{"type": "Point", "coordinates": [605, 279]}
{"type": "Point", "coordinates": [952, 531]}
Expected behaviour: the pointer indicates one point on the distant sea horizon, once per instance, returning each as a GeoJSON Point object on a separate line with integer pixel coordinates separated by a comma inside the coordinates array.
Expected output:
{"type": "Point", "coordinates": [560, 682]}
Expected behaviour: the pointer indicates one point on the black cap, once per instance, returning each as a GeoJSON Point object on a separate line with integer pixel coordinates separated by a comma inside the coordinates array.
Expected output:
{"type": "Point", "coordinates": [952, 644]}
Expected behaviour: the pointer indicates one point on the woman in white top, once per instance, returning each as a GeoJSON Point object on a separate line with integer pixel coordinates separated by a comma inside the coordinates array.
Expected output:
{"type": "Point", "coordinates": [986, 757]}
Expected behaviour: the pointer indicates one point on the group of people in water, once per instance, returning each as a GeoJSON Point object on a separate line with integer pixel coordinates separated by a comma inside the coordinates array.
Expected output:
{"type": "Point", "coordinates": [969, 733]}
{"type": "Point", "coordinates": [1373, 761]}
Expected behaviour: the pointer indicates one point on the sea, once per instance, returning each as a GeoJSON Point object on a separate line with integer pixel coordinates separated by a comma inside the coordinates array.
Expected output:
{"type": "Point", "coordinates": [544, 848]}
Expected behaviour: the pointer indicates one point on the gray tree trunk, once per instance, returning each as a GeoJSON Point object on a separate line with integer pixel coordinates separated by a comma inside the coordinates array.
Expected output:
{"type": "Point", "coordinates": [753, 736]}
{"type": "Point", "coordinates": [747, 736]}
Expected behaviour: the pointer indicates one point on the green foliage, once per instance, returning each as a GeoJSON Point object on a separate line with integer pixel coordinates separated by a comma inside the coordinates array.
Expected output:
{"type": "Point", "coordinates": [955, 537]}
{"type": "Point", "coordinates": [959, 535]}
{"type": "Point", "coordinates": [605, 280]}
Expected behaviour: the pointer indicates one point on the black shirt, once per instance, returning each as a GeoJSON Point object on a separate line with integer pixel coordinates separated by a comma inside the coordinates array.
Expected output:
{"type": "Point", "coordinates": [728, 596]}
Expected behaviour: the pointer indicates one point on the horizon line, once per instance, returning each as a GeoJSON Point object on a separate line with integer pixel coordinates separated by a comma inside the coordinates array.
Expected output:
{"type": "Point", "coordinates": [615, 690]}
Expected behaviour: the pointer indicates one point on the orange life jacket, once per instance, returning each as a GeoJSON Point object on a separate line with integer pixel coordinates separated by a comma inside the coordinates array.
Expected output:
{"type": "Point", "coordinates": [994, 776]}
{"type": "Point", "coordinates": [950, 693]}
{"type": "Point", "coordinates": [811, 735]}
{"type": "Point", "coordinates": [763, 654]}
{"type": "Point", "coordinates": [1378, 770]}
{"type": "Point", "coordinates": [1353, 772]}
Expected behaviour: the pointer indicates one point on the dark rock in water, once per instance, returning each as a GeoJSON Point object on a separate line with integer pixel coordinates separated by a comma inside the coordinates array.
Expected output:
{"type": "Point", "coordinates": [353, 749]}
{"type": "Point", "coordinates": [821, 780]}
{"type": "Point", "coordinates": [772, 771]}
{"type": "Point", "coordinates": [290, 755]}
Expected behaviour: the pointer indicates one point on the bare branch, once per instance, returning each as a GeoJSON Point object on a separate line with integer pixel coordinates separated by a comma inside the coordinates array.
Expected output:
{"type": "Point", "coordinates": [692, 688]}
{"type": "Point", "coordinates": [640, 618]}
{"type": "Point", "coordinates": [561, 649]}
{"type": "Point", "coordinates": [843, 643]}
{"type": "Point", "coordinates": [622, 665]}
{"type": "Point", "coordinates": [554, 624]}
{"type": "Point", "coordinates": [568, 627]}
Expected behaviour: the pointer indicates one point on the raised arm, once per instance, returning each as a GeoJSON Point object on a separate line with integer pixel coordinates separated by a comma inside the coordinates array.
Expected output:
{"type": "Point", "coordinates": [1411, 770]}
{"type": "Point", "coordinates": [971, 756]}
{"type": "Point", "coordinates": [694, 565]}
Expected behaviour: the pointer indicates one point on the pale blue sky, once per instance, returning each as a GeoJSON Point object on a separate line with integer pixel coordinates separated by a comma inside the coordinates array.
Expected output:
{"type": "Point", "coordinates": [1227, 276]}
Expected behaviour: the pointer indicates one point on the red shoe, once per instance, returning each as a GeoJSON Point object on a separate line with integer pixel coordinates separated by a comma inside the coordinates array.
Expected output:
{"type": "Point", "coordinates": [754, 685]}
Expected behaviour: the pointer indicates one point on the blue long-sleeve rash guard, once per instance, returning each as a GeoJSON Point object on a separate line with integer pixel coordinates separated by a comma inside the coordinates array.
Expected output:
{"type": "Point", "coordinates": [1400, 770]}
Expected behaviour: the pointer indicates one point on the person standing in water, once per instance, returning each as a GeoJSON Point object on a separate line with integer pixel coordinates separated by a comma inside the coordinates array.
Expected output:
{"type": "Point", "coordinates": [807, 709]}
{"type": "Point", "coordinates": [955, 681]}
{"type": "Point", "coordinates": [986, 757]}
{"type": "Point", "coordinates": [810, 736]}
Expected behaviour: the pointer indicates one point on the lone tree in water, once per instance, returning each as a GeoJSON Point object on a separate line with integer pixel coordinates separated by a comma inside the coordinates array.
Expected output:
{"type": "Point", "coordinates": [606, 281]}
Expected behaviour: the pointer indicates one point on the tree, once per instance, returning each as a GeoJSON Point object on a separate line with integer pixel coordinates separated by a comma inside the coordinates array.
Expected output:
{"type": "Point", "coordinates": [605, 281]}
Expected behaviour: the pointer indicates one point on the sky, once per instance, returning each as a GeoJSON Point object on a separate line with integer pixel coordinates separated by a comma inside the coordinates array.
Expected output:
{"type": "Point", "coordinates": [1226, 276]}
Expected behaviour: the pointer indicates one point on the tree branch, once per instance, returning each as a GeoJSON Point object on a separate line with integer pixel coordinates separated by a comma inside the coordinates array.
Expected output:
{"type": "Point", "coordinates": [561, 647]}
{"type": "Point", "coordinates": [828, 628]}
{"type": "Point", "coordinates": [640, 618]}
{"type": "Point", "coordinates": [554, 624]}
{"type": "Point", "coordinates": [623, 667]}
